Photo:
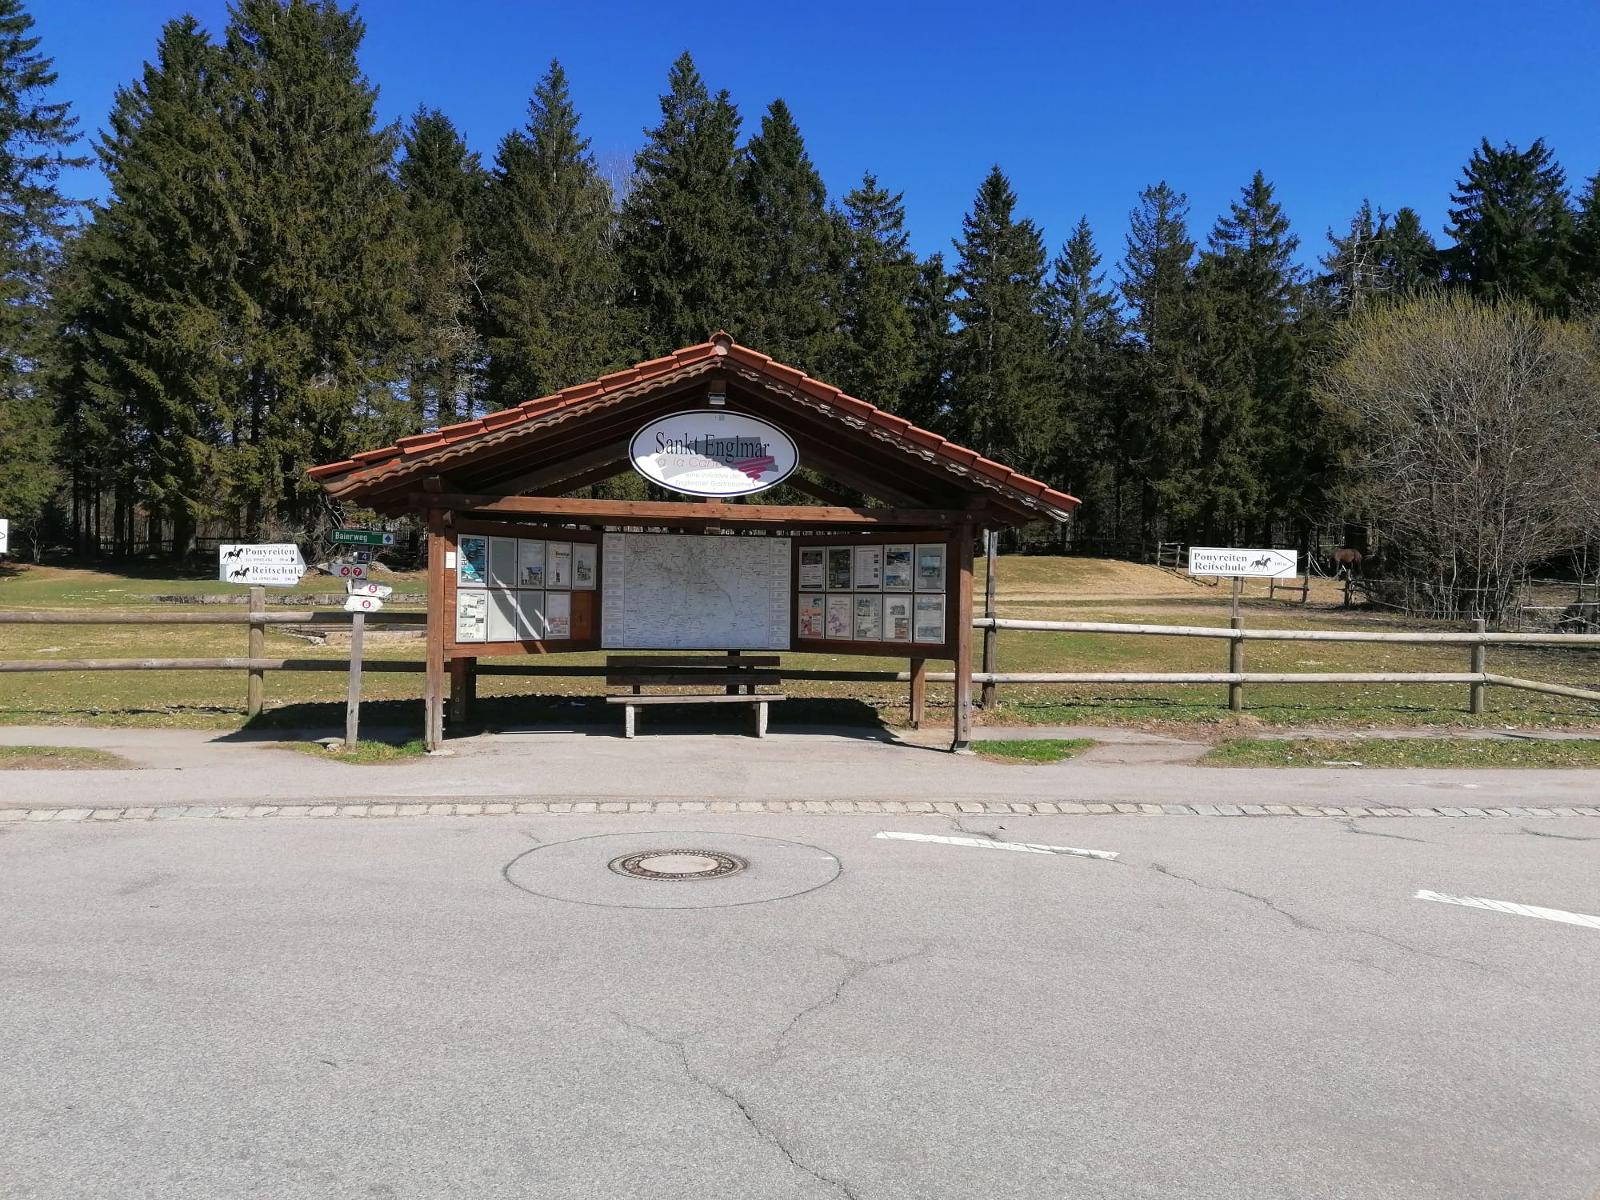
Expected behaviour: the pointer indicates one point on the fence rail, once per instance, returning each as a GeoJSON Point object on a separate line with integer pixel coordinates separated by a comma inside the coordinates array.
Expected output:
{"type": "Point", "coordinates": [1477, 678]}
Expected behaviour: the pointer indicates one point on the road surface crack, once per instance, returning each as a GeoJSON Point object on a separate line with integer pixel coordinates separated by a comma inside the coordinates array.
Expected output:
{"type": "Point", "coordinates": [854, 969]}
{"type": "Point", "coordinates": [680, 1052]}
{"type": "Point", "coordinates": [1297, 921]}
{"type": "Point", "coordinates": [1565, 837]}
{"type": "Point", "coordinates": [1351, 825]}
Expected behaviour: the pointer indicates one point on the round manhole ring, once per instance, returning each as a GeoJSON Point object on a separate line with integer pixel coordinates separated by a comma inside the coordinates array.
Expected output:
{"type": "Point", "coordinates": [672, 864]}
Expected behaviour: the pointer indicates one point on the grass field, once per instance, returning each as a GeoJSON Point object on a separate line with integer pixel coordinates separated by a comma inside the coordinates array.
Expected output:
{"type": "Point", "coordinates": [1396, 752]}
{"type": "Point", "coordinates": [59, 758]}
{"type": "Point", "coordinates": [1039, 588]}
{"type": "Point", "coordinates": [1032, 751]}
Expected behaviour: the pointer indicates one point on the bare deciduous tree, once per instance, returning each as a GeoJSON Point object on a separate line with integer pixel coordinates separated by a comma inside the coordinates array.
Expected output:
{"type": "Point", "coordinates": [1478, 441]}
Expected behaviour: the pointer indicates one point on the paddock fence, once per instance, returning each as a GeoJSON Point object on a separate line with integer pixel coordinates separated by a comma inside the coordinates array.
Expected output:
{"type": "Point", "coordinates": [1476, 678]}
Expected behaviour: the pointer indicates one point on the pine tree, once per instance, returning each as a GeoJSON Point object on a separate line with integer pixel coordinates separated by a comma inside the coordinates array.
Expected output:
{"type": "Point", "coordinates": [930, 400]}
{"type": "Point", "coordinates": [442, 183]}
{"type": "Point", "coordinates": [1353, 266]}
{"type": "Point", "coordinates": [1584, 271]}
{"type": "Point", "coordinates": [685, 227]}
{"type": "Point", "coordinates": [1004, 380]}
{"type": "Point", "coordinates": [879, 351]}
{"type": "Point", "coordinates": [1086, 329]}
{"type": "Point", "coordinates": [1157, 289]}
{"type": "Point", "coordinates": [550, 248]}
{"type": "Point", "coordinates": [1252, 416]}
{"type": "Point", "coordinates": [1511, 225]}
{"type": "Point", "coordinates": [35, 139]}
{"type": "Point", "coordinates": [160, 265]}
{"type": "Point", "coordinates": [796, 249]}
{"type": "Point", "coordinates": [1410, 261]}
{"type": "Point", "coordinates": [324, 259]}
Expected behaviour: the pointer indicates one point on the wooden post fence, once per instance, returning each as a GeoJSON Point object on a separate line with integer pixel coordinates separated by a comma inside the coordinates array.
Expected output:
{"type": "Point", "coordinates": [255, 688]}
{"type": "Point", "coordinates": [991, 635]}
{"type": "Point", "coordinates": [1479, 657]}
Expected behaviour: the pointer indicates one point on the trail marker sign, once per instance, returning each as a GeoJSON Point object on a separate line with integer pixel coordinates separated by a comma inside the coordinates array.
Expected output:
{"type": "Point", "coordinates": [268, 566]}
{"type": "Point", "coordinates": [364, 588]}
{"type": "Point", "coordinates": [1242, 563]}
{"type": "Point", "coordinates": [363, 537]}
{"type": "Point", "coordinates": [359, 604]}
{"type": "Point", "coordinates": [348, 570]}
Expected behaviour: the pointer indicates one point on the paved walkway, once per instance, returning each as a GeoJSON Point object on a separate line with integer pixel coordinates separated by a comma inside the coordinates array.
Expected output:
{"type": "Point", "coordinates": [182, 771]}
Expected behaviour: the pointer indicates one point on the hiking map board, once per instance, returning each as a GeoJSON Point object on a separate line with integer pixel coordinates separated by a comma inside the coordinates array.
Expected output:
{"type": "Point", "coordinates": [666, 591]}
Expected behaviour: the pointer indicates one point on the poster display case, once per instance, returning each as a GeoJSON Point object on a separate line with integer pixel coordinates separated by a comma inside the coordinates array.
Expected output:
{"type": "Point", "coordinates": [889, 594]}
{"type": "Point", "coordinates": [517, 589]}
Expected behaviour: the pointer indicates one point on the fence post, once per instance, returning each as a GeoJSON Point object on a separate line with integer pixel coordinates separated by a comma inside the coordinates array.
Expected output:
{"type": "Point", "coordinates": [255, 688]}
{"type": "Point", "coordinates": [352, 707]}
{"type": "Point", "coordinates": [991, 635]}
{"type": "Point", "coordinates": [1236, 664]}
{"type": "Point", "coordinates": [1479, 666]}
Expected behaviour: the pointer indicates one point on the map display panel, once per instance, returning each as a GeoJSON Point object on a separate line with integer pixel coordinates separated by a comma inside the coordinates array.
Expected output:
{"type": "Point", "coordinates": [667, 591]}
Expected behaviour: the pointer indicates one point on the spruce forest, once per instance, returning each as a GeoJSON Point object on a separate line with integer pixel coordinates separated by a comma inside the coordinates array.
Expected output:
{"type": "Point", "coordinates": [276, 279]}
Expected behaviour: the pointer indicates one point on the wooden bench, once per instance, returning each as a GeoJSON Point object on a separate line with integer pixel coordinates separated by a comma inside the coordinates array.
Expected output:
{"type": "Point", "coordinates": [735, 677]}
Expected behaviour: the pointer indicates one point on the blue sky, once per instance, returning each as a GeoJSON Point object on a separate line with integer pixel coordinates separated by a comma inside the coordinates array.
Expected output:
{"type": "Point", "coordinates": [1082, 105]}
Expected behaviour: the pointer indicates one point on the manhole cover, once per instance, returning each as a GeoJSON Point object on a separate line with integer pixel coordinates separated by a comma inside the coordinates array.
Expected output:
{"type": "Point", "coordinates": [626, 870]}
{"type": "Point", "coordinates": [671, 865]}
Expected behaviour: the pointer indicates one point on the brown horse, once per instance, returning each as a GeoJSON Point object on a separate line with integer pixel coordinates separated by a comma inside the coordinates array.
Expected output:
{"type": "Point", "coordinates": [1348, 560]}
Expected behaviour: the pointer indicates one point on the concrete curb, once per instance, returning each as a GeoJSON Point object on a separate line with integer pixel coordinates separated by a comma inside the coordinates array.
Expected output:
{"type": "Point", "coordinates": [532, 808]}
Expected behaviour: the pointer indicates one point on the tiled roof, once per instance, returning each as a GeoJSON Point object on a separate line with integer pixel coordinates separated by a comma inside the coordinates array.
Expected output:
{"type": "Point", "coordinates": [381, 462]}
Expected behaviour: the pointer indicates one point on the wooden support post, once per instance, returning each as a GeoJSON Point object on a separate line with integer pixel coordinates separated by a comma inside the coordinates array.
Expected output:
{"type": "Point", "coordinates": [255, 688]}
{"type": "Point", "coordinates": [352, 704]}
{"type": "Point", "coordinates": [459, 675]}
{"type": "Point", "coordinates": [963, 690]}
{"type": "Point", "coordinates": [733, 688]}
{"type": "Point", "coordinates": [433, 686]}
{"type": "Point", "coordinates": [472, 688]}
{"type": "Point", "coordinates": [991, 635]}
{"type": "Point", "coordinates": [1235, 667]}
{"type": "Point", "coordinates": [919, 691]}
{"type": "Point", "coordinates": [1479, 666]}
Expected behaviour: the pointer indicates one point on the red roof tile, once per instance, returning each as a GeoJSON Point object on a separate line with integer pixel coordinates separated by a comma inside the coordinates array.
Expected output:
{"type": "Point", "coordinates": [368, 463]}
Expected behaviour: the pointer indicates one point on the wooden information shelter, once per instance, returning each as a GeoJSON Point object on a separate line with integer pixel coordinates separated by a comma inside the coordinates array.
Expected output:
{"type": "Point", "coordinates": [518, 565]}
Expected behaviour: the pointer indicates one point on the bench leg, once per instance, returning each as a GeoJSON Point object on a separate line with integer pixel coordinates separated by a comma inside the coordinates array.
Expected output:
{"type": "Point", "coordinates": [628, 711]}
{"type": "Point", "coordinates": [761, 720]}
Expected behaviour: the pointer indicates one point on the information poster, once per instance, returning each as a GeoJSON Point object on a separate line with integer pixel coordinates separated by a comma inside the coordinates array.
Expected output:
{"type": "Point", "coordinates": [813, 577]}
{"type": "Point", "coordinates": [502, 562]}
{"type": "Point", "coordinates": [558, 565]}
{"type": "Point", "coordinates": [813, 615]}
{"type": "Point", "coordinates": [530, 564]}
{"type": "Point", "coordinates": [839, 616]}
{"type": "Point", "coordinates": [530, 613]}
{"type": "Point", "coordinates": [897, 618]}
{"type": "Point", "coordinates": [898, 568]}
{"type": "Point", "coordinates": [838, 568]}
{"type": "Point", "coordinates": [869, 618]}
{"type": "Point", "coordinates": [929, 625]}
{"type": "Point", "coordinates": [930, 569]}
{"type": "Point", "coordinates": [869, 567]}
{"type": "Point", "coordinates": [472, 561]}
{"type": "Point", "coordinates": [504, 621]}
{"type": "Point", "coordinates": [472, 616]}
{"type": "Point", "coordinates": [558, 614]}
{"type": "Point", "coordinates": [583, 565]}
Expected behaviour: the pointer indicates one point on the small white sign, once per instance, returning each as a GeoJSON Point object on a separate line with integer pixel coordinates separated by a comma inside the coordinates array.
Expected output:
{"type": "Point", "coordinates": [361, 587]}
{"type": "Point", "coordinates": [348, 570]}
{"type": "Point", "coordinates": [713, 452]}
{"type": "Point", "coordinates": [271, 566]}
{"type": "Point", "coordinates": [5, 535]}
{"type": "Point", "coordinates": [1245, 564]}
{"type": "Point", "coordinates": [362, 604]}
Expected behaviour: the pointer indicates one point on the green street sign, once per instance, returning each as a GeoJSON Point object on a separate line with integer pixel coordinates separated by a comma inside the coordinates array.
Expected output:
{"type": "Point", "coordinates": [363, 537]}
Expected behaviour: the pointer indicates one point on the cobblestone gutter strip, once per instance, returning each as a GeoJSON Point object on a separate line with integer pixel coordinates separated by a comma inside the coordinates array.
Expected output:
{"type": "Point", "coordinates": [501, 808]}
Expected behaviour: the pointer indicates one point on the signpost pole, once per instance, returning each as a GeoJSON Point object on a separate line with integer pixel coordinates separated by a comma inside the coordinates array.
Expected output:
{"type": "Point", "coordinates": [255, 688]}
{"type": "Point", "coordinates": [1235, 651]}
{"type": "Point", "coordinates": [991, 635]}
{"type": "Point", "coordinates": [352, 707]}
{"type": "Point", "coordinates": [1479, 666]}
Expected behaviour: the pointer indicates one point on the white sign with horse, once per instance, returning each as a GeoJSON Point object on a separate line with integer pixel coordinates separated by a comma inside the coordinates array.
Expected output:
{"type": "Point", "coordinates": [271, 566]}
{"type": "Point", "coordinates": [1244, 564]}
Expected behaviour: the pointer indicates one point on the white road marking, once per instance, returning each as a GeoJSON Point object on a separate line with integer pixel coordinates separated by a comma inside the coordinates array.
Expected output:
{"type": "Point", "coordinates": [986, 844]}
{"type": "Point", "coordinates": [1519, 910]}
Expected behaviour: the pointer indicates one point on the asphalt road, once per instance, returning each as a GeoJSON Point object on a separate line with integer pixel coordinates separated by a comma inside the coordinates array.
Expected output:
{"type": "Point", "coordinates": [1232, 1008]}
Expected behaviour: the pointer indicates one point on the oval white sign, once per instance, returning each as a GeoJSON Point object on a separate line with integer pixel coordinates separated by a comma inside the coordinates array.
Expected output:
{"type": "Point", "coordinates": [711, 452]}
